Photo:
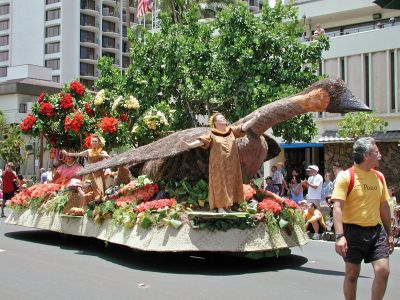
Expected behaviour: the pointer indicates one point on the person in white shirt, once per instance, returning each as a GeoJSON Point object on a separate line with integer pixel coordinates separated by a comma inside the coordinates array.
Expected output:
{"type": "Point", "coordinates": [277, 179]}
{"type": "Point", "coordinates": [314, 185]}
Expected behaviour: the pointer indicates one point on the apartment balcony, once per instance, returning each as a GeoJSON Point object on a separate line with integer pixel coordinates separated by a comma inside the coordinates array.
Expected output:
{"type": "Point", "coordinates": [322, 10]}
{"type": "Point", "coordinates": [111, 48]}
{"type": "Point", "coordinates": [353, 43]}
{"type": "Point", "coordinates": [90, 26]}
{"type": "Point", "coordinates": [110, 2]}
{"type": "Point", "coordinates": [90, 59]}
{"type": "Point", "coordinates": [91, 11]}
{"type": "Point", "coordinates": [110, 33]}
{"type": "Point", "coordinates": [5, 17]}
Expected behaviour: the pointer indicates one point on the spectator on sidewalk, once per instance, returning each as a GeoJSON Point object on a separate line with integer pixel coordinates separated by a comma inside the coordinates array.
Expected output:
{"type": "Point", "coordinates": [337, 171]}
{"type": "Point", "coordinates": [296, 189]}
{"type": "Point", "coordinates": [9, 185]}
{"type": "Point", "coordinates": [277, 179]}
{"type": "Point", "coordinates": [327, 189]}
{"type": "Point", "coordinates": [314, 221]}
{"type": "Point", "coordinates": [314, 185]}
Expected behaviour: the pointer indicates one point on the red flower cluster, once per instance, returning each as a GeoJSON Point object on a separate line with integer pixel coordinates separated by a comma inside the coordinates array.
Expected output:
{"type": "Point", "coordinates": [77, 88]}
{"type": "Point", "coordinates": [87, 142]}
{"type": "Point", "coordinates": [124, 200]}
{"type": "Point", "coordinates": [109, 125]}
{"type": "Point", "coordinates": [46, 109]}
{"type": "Point", "coordinates": [290, 203]}
{"type": "Point", "coordinates": [269, 205]}
{"type": "Point", "coordinates": [52, 139]}
{"type": "Point", "coordinates": [75, 123]}
{"type": "Point", "coordinates": [41, 96]}
{"type": "Point", "coordinates": [123, 117]}
{"type": "Point", "coordinates": [248, 192]}
{"type": "Point", "coordinates": [43, 190]}
{"type": "Point", "coordinates": [155, 204]}
{"type": "Point", "coordinates": [28, 122]}
{"type": "Point", "coordinates": [88, 109]}
{"type": "Point", "coordinates": [147, 192]}
{"type": "Point", "coordinates": [66, 101]}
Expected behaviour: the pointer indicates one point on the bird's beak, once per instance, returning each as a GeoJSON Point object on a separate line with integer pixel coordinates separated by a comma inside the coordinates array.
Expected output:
{"type": "Point", "coordinates": [347, 102]}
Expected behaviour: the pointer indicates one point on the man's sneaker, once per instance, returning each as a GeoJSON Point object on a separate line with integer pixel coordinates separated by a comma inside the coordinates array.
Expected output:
{"type": "Point", "coordinates": [316, 236]}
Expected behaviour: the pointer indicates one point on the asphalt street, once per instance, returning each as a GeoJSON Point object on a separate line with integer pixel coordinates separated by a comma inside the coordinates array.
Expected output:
{"type": "Point", "coordinates": [39, 264]}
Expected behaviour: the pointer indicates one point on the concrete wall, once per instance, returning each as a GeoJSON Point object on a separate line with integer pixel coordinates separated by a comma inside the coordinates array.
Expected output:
{"type": "Point", "coordinates": [27, 33]}
{"type": "Point", "coordinates": [70, 44]}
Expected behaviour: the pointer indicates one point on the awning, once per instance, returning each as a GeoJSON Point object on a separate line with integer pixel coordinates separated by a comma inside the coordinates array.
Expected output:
{"type": "Point", "coordinates": [330, 136]}
{"type": "Point", "coordinates": [301, 145]}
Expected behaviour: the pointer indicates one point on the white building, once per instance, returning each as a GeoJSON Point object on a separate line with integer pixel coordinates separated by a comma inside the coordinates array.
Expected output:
{"type": "Point", "coordinates": [67, 36]}
{"type": "Point", "coordinates": [365, 52]}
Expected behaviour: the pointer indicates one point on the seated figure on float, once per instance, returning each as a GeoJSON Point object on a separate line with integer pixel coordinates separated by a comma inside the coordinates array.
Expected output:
{"type": "Point", "coordinates": [93, 155]}
{"type": "Point", "coordinates": [80, 194]}
{"type": "Point", "coordinates": [67, 170]}
{"type": "Point", "coordinates": [225, 182]}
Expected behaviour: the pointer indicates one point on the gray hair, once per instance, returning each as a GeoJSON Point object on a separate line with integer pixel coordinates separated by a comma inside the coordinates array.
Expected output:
{"type": "Point", "coordinates": [362, 146]}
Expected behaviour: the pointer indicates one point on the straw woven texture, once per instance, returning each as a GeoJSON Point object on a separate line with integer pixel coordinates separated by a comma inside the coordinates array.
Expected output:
{"type": "Point", "coordinates": [163, 238]}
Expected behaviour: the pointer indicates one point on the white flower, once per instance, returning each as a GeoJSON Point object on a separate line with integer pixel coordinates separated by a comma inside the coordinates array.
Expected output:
{"type": "Point", "coordinates": [100, 97]}
{"type": "Point", "coordinates": [131, 103]}
{"type": "Point", "coordinates": [134, 129]}
{"type": "Point", "coordinates": [116, 102]}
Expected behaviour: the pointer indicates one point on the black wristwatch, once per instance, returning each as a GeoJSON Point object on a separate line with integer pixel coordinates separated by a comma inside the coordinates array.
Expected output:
{"type": "Point", "coordinates": [339, 236]}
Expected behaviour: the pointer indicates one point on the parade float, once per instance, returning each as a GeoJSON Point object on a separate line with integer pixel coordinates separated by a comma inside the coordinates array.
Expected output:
{"type": "Point", "coordinates": [158, 200]}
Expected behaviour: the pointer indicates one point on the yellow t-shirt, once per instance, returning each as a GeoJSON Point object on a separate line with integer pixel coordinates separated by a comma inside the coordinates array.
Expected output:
{"type": "Point", "coordinates": [362, 205]}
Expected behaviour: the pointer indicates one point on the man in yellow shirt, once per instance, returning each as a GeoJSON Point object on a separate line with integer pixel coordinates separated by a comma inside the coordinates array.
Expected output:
{"type": "Point", "coordinates": [360, 207]}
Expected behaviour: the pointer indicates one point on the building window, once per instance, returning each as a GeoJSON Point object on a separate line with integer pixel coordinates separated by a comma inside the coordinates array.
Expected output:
{"type": "Point", "coordinates": [366, 79]}
{"type": "Point", "coordinates": [87, 36]}
{"type": "Point", "coordinates": [53, 31]}
{"type": "Point", "coordinates": [108, 10]}
{"type": "Point", "coordinates": [23, 108]}
{"type": "Point", "coordinates": [55, 78]}
{"type": "Point", "coordinates": [4, 40]}
{"type": "Point", "coordinates": [87, 69]}
{"type": "Point", "coordinates": [52, 1]}
{"type": "Point", "coordinates": [53, 48]}
{"type": "Point", "coordinates": [125, 61]}
{"type": "Point", "coordinates": [342, 69]}
{"type": "Point", "coordinates": [53, 64]}
{"type": "Point", "coordinates": [88, 4]}
{"type": "Point", "coordinates": [4, 56]}
{"type": "Point", "coordinates": [108, 26]}
{"type": "Point", "coordinates": [4, 25]}
{"type": "Point", "coordinates": [87, 20]}
{"type": "Point", "coordinates": [125, 46]}
{"type": "Point", "coordinates": [108, 42]}
{"type": "Point", "coordinates": [53, 14]}
{"type": "Point", "coordinates": [88, 83]}
{"type": "Point", "coordinates": [108, 54]}
{"type": "Point", "coordinates": [3, 72]}
{"type": "Point", "coordinates": [87, 53]}
{"type": "Point", "coordinates": [4, 9]}
{"type": "Point", "coordinates": [392, 72]}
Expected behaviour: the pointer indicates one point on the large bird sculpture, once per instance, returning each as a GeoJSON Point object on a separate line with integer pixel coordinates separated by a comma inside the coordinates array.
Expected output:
{"type": "Point", "coordinates": [169, 157]}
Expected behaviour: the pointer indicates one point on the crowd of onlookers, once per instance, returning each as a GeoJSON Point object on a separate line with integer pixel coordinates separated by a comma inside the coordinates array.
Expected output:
{"type": "Point", "coordinates": [313, 194]}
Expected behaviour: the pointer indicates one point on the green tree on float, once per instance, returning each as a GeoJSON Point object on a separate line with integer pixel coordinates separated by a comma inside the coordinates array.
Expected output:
{"type": "Point", "coordinates": [360, 124]}
{"type": "Point", "coordinates": [11, 142]}
{"type": "Point", "coordinates": [234, 65]}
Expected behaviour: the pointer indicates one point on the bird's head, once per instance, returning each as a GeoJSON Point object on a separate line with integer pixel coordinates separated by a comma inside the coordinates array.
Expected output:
{"type": "Point", "coordinates": [341, 99]}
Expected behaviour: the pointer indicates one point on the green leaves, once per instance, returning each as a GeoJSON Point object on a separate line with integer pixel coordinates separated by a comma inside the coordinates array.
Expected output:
{"type": "Point", "coordinates": [234, 64]}
{"type": "Point", "coordinates": [360, 124]}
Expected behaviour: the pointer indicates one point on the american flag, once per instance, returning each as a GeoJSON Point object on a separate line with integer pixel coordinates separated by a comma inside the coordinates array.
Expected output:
{"type": "Point", "coordinates": [144, 6]}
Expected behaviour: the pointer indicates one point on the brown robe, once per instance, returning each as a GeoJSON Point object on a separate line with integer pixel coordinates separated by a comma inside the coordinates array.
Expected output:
{"type": "Point", "coordinates": [225, 182]}
{"type": "Point", "coordinates": [97, 178]}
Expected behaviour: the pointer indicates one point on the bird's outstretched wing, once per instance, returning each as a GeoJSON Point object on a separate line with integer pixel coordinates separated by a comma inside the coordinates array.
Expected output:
{"type": "Point", "coordinates": [168, 146]}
